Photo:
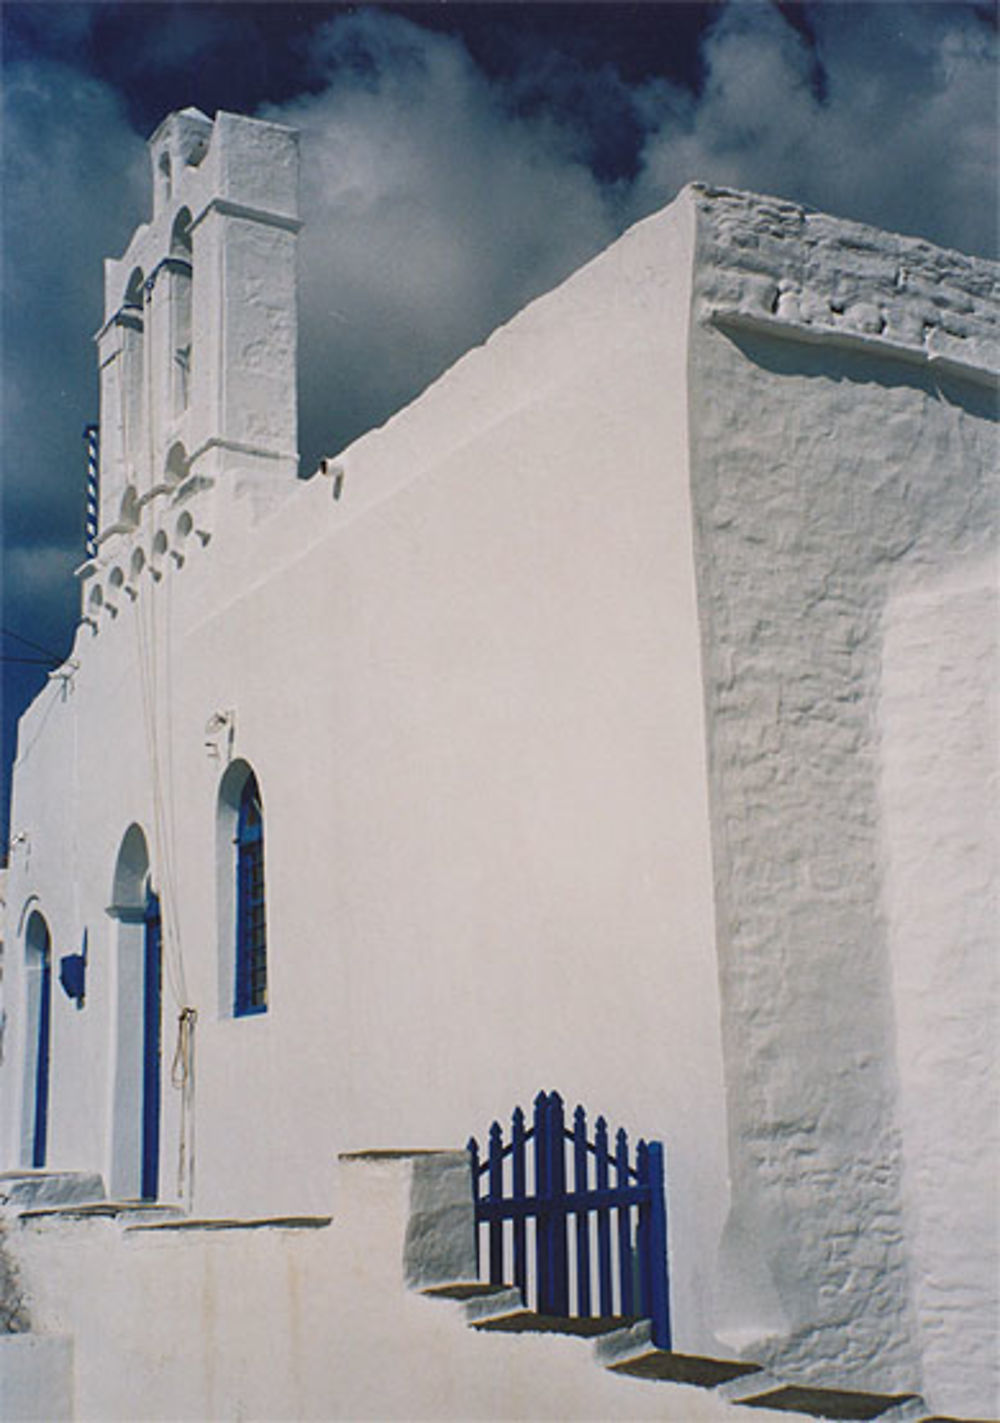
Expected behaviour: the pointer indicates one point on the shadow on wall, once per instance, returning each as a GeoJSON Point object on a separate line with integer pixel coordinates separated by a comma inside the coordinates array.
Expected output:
{"type": "Point", "coordinates": [793, 358]}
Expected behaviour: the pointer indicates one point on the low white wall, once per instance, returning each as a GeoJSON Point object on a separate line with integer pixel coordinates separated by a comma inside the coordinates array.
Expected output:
{"type": "Point", "coordinates": [284, 1323]}
{"type": "Point", "coordinates": [36, 1378]}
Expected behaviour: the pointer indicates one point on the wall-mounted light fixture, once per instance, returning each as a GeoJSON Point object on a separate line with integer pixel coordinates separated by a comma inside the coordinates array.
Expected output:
{"type": "Point", "coordinates": [73, 974]}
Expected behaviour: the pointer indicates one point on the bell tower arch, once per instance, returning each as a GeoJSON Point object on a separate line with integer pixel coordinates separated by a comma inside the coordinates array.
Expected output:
{"type": "Point", "coordinates": [198, 345]}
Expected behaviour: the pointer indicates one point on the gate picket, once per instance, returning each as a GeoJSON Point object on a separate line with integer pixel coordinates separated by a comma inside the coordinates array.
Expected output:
{"type": "Point", "coordinates": [582, 1217]}
{"type": "Point", "coordinates": [555, 1131]}
{"type": "Point", "coordinates": [642, 1231]}
{"type": "Point", "coordinates": [642, 1283]}
{"type": "Point", "coordinates": [603, 1217]}
{"type": "Point", "coordinates": [542, 1219]}
{"type": "Point", "coordinates": [473, 1150]}
{"type": "Point", "coordinates": [496, 1191]}
{"type": "Point", "coordinates": [518, 1193]}
{"type": "Point", "coordinates": [624, 1224]}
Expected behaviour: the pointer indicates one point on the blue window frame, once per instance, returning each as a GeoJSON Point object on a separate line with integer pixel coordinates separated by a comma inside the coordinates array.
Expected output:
{"type": "Point", "coordinates": [152, 987]}
{"type": "Point", "coordinates": [38, 935]}
{"type": "Point", "coordinates": [251, 926]}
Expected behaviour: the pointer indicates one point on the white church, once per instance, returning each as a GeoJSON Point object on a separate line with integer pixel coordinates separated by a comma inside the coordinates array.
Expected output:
{"type": "Point", "coordinates": [619, 720]}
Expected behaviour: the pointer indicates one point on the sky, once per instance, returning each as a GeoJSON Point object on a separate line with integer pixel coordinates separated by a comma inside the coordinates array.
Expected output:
{"type": "Point", "coordinates": [457, 161]}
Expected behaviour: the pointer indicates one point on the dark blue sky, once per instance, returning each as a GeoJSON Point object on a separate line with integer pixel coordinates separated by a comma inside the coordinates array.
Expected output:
{"type": "Point", "coordinates": [458, 160]}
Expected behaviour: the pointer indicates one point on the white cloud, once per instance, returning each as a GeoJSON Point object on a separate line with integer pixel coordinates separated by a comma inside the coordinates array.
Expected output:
{"type": "Point", "coordinates": [431, 215]}
{"type": "Point", "coordinates": [904, 136]}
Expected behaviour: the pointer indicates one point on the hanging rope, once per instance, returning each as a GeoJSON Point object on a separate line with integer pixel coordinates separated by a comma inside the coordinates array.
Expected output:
{"type": "Point", "coordinates": [182, 1073]}
{"type": "Point", "coordinates": [182, 1078]}
{"type": "Point", "coordinates": [148, 660]}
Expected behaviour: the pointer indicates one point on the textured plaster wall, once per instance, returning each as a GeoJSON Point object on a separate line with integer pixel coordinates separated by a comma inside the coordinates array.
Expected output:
{"type": "Point", "coordinates": [831, 474]}
{"type": "Point", "coordinates": [939, 730]}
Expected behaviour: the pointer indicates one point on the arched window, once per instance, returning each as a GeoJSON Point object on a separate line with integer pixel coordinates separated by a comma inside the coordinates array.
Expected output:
{"type": "Point", "coordinates": [176, 467]}
{"type": "Point", "coordinates": [38, 957]}
{"type": "Point", "coordinates": [131, 318]}
{"type": "Point", "coordinates": [180, 309]}
{"type": "Point", "coordinates": [164, 185]}
{"type": "Point", "coordinates": [251, 926]}
{"type": "Point", "coordinates": [135, 1144]}
{"type": "Point", "coordinates": [241, 894]}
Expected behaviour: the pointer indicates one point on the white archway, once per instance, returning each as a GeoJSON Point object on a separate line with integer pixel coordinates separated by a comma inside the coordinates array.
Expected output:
{"type": "Point", "coordinates": [135, 1112]}
{"type": "Point", "coordinates": [38, 1030]}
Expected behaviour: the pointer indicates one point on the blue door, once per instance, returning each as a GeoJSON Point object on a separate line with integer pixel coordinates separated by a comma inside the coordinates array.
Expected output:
{"type": "Point", "coordinates": [150, 1174]}
{"type": "Point", "coordinates": [41, 1126]}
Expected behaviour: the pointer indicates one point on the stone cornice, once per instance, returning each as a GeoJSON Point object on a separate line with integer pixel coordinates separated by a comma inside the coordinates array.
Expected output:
{"type": "Point", "coordinates": [937, 353]}
{"type": "Point", "coordinates": [228, 208]}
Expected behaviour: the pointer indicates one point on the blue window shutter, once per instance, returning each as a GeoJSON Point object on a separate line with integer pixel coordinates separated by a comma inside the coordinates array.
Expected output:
{"type": "Point", "coordinates": [41, 1124]}
{"type": "Point", "coordinates": [251, 927]}
{"type": "Point", "coordinates": [152, 986]}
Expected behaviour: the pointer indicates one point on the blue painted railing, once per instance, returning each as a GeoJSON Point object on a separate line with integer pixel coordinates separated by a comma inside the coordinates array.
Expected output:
{"type": "Point", "coordinates": [625, 1200]}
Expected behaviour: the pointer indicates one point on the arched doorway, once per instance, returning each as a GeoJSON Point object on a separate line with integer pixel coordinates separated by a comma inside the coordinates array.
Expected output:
{"type": "Point", "coordinates": [135, 1143]}
{"type": "Point", "coordinates": [38, 974]}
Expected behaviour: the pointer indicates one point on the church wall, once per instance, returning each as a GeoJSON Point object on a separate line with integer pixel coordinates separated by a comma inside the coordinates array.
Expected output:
{"type": "Point", "coordinates": [938, 731]}
{"type": "Point", "coordinates": [844, 498]}
{"type": "Point", "coordinates": [470, 690]}
{"type": "Point", "coordinates": [488, 801]}
{"type": "Point", "coordinates": [601, 704]}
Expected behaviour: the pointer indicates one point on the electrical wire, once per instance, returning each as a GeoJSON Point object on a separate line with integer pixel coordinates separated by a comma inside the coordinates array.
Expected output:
{"type": "Point", "coordinates": [37, 646]}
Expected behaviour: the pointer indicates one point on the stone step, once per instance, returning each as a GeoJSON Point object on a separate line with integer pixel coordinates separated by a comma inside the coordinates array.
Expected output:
{"type": "Point", "coordinates": [745, 1386]}
{"type": "Point", "coordinates": [693, 1369]}
{"type": "Point", "coordinates": [625, 1342]}
{"type": "Point", "coordinates": [125, 1212]}
{"type": "Point", "coordinates": [623, 1346]}
{"type": "Point", "coordinates": [528, 1321]}
{"type": "Point", "coordinates": [835, 1403]}
{"type": "Point", "coordinates": [179, 1224]}
{"type": "Point", "coordinates": [745, 1383]}
{"type": "Point", "coordinates": [500, 1304]}
{"type": "Point", "coordinates": [463, 1290]}
{"type": "Point", "coordinates": [479, 1301]}
{"type": "Point", "coordinates": [20, 1190]}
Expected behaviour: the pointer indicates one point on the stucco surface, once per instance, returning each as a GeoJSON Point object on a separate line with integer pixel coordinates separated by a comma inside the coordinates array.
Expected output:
{"type": "Point", "coordinates": [938, 724]}
{"type": "Point", "coordinates": [828, 479]}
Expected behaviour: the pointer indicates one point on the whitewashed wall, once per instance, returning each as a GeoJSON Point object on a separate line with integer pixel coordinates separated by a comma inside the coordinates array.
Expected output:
{"type": "Point", "coordinates": [939, 727]}
{"type": "Point", "coordinates": [470, 688]}
{"type": "Point", "coordinates": [844, 464]}
{"type": "Point", "coordinates": [516, 839]}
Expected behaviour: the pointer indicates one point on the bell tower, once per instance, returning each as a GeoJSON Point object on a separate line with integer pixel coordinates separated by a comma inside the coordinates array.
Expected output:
{"type": "Point", "coordinates": [197, 350]}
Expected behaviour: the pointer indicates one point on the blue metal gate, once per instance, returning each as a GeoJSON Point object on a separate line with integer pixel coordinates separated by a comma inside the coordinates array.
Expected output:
{"type": "Point", "coordinates": [618, 1207]}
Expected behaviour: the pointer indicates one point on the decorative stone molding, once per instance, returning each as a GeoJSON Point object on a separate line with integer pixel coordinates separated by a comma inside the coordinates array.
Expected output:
{"type": "Point", "coordinates": [777, 269]}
